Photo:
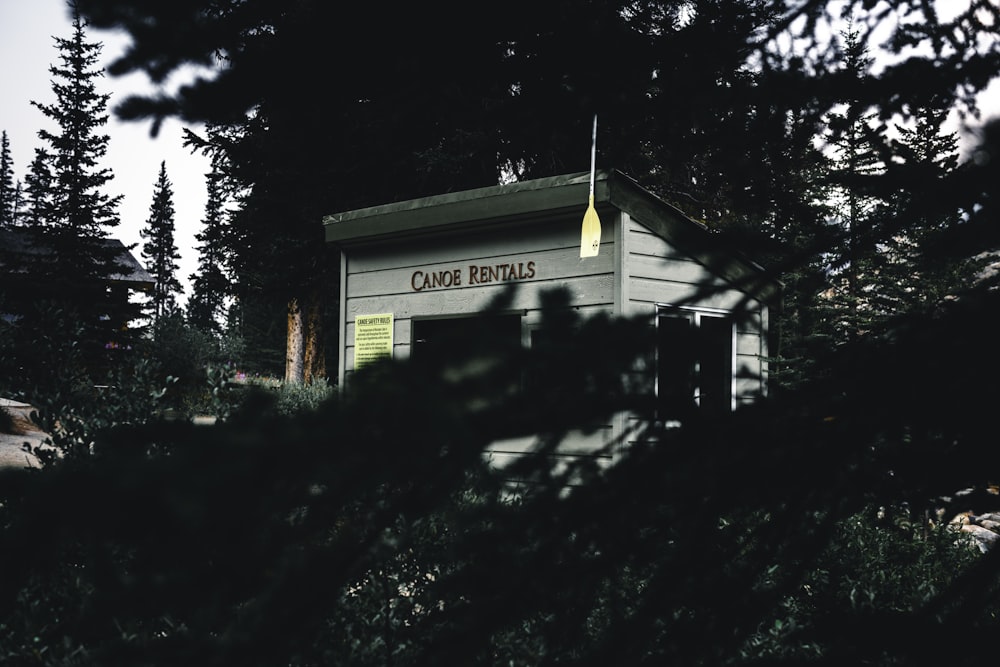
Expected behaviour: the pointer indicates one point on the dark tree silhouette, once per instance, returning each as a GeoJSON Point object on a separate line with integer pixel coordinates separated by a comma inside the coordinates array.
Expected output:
{"type": "Point", "coordinates": [8, 192]}
{"type": "Point", "coordinates": [68, 210]}
{"type": "Point", "coordinates": [38, 191]}
{"type": "Point", "coordinates": [160, 251]}
{"type": "Point", "coordinates": [79, 211]}
{"type": "Point", "coordinates": [211, 284]}
{"type": "Point", "coordinates": [370, 532]}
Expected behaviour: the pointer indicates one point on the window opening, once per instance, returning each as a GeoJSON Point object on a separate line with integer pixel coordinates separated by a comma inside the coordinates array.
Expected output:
{"type": "Point", "coordinates": [694, 370]}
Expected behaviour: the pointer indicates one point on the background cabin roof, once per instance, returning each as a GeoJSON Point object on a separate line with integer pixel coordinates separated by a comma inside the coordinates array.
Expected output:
{"type": "Point", "coordinates": [544, 198]}
{"type": "Point", "coordinates": [129, 271]}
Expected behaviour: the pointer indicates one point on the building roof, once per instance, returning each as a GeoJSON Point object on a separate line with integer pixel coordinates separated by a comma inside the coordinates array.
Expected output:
{"type": "Point", "coordinates": [130, 271]}
{"type": "Point", "coordinates": [544, 198]}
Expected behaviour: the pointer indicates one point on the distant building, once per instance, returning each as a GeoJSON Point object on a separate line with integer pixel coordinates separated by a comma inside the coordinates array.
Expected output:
{"type": "Point", "coordinates": [412, 270]}
{"type": "Point", "coordinates": [22, 261]}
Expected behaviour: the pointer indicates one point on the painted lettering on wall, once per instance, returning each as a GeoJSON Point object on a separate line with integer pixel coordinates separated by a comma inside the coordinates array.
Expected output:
{"type": "Point", "coordinates": [475, 274]}
{"type": "Point", "coordinates": [421, 280]}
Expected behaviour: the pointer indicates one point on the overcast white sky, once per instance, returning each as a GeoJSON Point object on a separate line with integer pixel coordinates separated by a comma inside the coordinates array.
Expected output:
{"type": "Point", "coordinates": [27, 49]}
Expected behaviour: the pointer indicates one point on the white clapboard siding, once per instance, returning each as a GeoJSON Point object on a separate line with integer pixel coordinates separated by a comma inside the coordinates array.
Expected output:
{"type": "Point", "coordinates": [378, 279]}
{"type": "Point", "coordinates": [748, 344]}
{"type": "Point", "coordinates": [642, 241]}
{"type": "Point", "coordinates": [533, 318]}
{"type": "Point", "coordinates": [510, 240]}
{"type": "Point", "coordinates": [547, 265]}
{"type": "Point", "coordinates": [661, 274]}
{"type": "Point", "coordinates": [584, 291]}
{"type": "Point", "coordinates": [588, 291]}
{"type": "Point", "coordinates": [748, 390]}
{"type": "Point", "coordinates": [576, 443]}
{"type": "Point", "coordinates": [673, 270]}
{"type": "Point", "coordinates": [648, 291]}
{"type": "Point", "coordinates": [559, 465]}
{"type": "Point", "coordinates": [651, 255]}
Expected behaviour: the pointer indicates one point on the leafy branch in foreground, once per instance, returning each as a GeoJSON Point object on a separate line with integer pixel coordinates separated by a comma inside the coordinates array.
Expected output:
{"type": "Point", "coordinates": [372, 531]}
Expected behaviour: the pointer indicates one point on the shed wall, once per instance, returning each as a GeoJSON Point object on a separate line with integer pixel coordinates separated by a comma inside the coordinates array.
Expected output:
{"type": "Point", "coordinates": [384, 278]}
{"type": "Point", "coordinates": [635, 272]}
{"type": "Point", "coordinates": [659, 274]}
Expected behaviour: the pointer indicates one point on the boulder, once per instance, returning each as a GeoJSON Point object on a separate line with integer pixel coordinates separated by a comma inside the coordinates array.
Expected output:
{"type": "Point", "coordinates": [21, 435]}
{"type": "Point", "coordinates": [984, 538]}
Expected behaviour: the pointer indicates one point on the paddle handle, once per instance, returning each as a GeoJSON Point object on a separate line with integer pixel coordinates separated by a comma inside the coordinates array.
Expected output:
{"type": "Point", "coordinates": [593, 157]}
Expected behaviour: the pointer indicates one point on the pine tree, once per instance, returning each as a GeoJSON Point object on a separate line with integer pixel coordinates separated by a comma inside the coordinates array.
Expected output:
{"type": "Point", "coordinates": [80, 209]}
{"type": "Point", "coordinates": [38, 189]}
{"type": "Point", "coordinates": [211, 284]}
{"type": "Point", "coordinates": [159, 251]}
{"type": "Point", "coordinates": [859, 210]}
{"type": "Point", "coordinates": [73, 272]}
{"type": "Point", "coordinates": [17, 211]}
{"type": "Point", "coordinates": [888, 209]}
{"type": "Point", "coordinates": [675, 91]}
{"type": "Point", "coordinates": [8, 191]}
{"type": "Point", "coordinates": [916, 277]}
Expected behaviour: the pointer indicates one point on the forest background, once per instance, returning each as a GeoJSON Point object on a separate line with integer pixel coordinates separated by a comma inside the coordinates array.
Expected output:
{"type": "Point", "coordinates": [805, 530]}
{"type": "Point", "coordinates": [134, 156]}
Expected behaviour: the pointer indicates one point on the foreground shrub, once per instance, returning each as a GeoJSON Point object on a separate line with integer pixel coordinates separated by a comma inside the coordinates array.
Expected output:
{"type": "Point", "coordinates": [371, 532]}
{"type": "Point", "coordinates": [294, 398]}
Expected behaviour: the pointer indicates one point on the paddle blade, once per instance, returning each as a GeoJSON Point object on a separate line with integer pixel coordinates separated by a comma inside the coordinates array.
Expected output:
{"type": "Point", "coordinates": [590, 235]}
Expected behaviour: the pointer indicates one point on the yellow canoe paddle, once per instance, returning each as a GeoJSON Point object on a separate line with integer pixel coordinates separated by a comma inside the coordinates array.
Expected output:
{"type": "Point", "coordinates": [590, 235]}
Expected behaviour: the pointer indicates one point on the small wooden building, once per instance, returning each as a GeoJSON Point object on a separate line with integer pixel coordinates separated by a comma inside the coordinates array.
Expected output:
{"type": "Point", "coordinates": [411, 268]}
{"type": "Point", "coordinates": [23, 251]}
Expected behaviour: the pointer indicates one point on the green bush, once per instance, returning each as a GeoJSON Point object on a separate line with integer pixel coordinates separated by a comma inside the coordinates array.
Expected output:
{"type": "Point", "coordinates": [283, 398]}
{"type": "Point", "coordinates": [295, 398]}
{"type": "Point", "coordinates": [878, 563]}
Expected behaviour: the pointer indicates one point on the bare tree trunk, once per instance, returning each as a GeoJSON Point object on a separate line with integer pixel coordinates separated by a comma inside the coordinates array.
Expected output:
{"type": "Point", "coordinates": [295, 345]}
{"type": "Point", "coordinates": [315, 355]}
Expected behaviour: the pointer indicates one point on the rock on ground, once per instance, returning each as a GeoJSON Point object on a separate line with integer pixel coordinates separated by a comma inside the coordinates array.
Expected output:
{"type": "Point", "coordinates": [24, 431]}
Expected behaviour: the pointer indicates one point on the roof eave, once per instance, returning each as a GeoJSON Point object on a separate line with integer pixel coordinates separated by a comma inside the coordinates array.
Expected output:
{"type": "Point", "coordinates": [468, 208]}
{"type": "Point", "coordinates": [546, 197]}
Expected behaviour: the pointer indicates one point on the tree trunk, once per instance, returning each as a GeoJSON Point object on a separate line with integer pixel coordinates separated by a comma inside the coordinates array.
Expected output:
{"type": "Point", "coordinates": [314, 356]}
{"type": "Point", "coordinates": [305, 357]}
{"type": "Point", "coordinates": [295, 345]}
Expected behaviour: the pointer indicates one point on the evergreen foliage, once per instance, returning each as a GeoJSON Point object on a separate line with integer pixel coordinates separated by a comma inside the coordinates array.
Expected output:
{"type": "Point", "coordinates": [8, 193]}
{"type": "Point", "coordinates": [18, 203]}
{"type": "Point", "coordinates": [68, 209]}
{"type": "Point", "coordinates": [160, 251]}
{"type": "Point", "coordinates": [38, 191]}
{"type": "Point", "coordinates": [911, 278]}
{"type": "Point", "coordinates": [342, 536]}
{"type": "Point", "coordinates": [716, 105]}
{"type": "Point", "coordinates": [855, 136]}
{"type": "Point", "coordinates": [62, 273]}
{"type": "Point", "coordinates": [370, 531]}
{"type": "Point", "coordinates": [80, 211]}
{"type": "Point", "coordinates": [211, 286]}
{"type": "Point", "coordinates": [258, 318]}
